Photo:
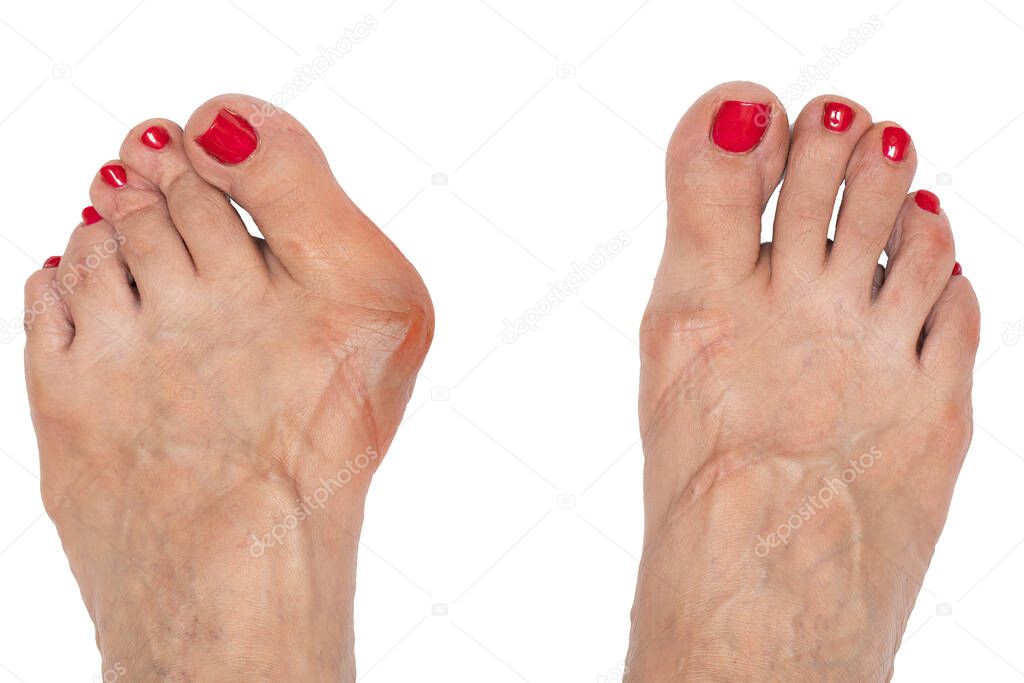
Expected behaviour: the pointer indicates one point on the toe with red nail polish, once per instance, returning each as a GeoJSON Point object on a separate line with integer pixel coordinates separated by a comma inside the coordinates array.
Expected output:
{"type": "Point", "coordinates": [895, 143]}
{"type": "Point", "coordinates": [155, 137]}
{"type": "Point", "coordinates": [957, 270]}
{"type": "Point", "coordinates": [837, 116]}
{"type": "Point", "coordinates": [51, 262]}
{"type": "Point", "coordinates": [739, 126]}
{"type": "Point", "coordinates": [90, 215]}
{"type": "Point", "coordinates": [114, 175]}
{"type": "Point", "coordinates": [927, 201]}
{"type": "Point", "coordinates": [230, 139]}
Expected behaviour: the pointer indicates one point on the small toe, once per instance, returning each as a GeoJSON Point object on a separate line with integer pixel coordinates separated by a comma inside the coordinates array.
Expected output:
{"type": "Point", "coordinates": [952, 330]}
{"type": "Point", "coordinates": [211, 229]}
{"type": "Point", "coordinates": [921, 262]}
{"type": "Point", "coordinates": [93, 282]}
{"type": "Point", "coordinates": [48, 328]}
{"type": "Point", "coordinates": [824, 137]}
{"type": "Point", "coordinates": [724, 161]}
{"type": "Point", "coordinates": [877, 180]}
{"type": "Point", "coordinates": [268, 163]}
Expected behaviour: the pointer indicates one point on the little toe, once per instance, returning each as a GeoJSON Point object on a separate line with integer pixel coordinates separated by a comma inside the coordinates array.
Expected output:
{"type": "Point", "coordinates": [268, 163]}
{"type": "Point", "coordinates": [48, 329]}
{"type": "Point", "coordinates": [93, 283]}
{"type": "Point", "coordinates": [877, 180]}
{"type": "Point", "coordinates": [921, 261]}
{"type": "Point", "coordinates": [824, 137]}
{"type": "Point", "coordinates": [724, 161]}
{"type": "Point", "coordinates": [210, 227]}
{"type": "Point", "coordinates": [951, 332]}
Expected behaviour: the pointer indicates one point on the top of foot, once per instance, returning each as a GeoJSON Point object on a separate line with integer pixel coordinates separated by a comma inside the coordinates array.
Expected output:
{"type": "Point", "coordinates": [195, 389]}
{"type": "Point", "coordinates": [805, 412]}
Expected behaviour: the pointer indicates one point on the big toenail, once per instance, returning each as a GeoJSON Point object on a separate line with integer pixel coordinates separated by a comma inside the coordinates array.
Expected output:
{"type": "Point", "coordinates": [51, 262]}
{"type": "Point", "coordinates": [895, 143]}
{"type": "Point", "coordinates": [229, 139]}
{"type": "Point", "coordinates": [957, 270]}
{"type": "Point", "coordinates": [90, 215]}
{"type": "Point", "coordinates": [837, 116]}
{"type": "Point", "coordinates": [739, 126]}
{"type": "Point", "coordinates": [114, 175]}
{"type": "Point", "coordinates": [927, 200]}
{"type": "Point", "coordinates": [155, 137]}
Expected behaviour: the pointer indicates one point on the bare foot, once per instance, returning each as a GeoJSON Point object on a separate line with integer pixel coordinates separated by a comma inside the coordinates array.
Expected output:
{"type": "Point", "coordinates": [210, 407]}
{"type": "Point", "coordinates": [805, 415]}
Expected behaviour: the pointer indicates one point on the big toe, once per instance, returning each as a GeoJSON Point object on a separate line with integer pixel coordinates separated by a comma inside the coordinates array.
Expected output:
{"type": "Point", "coordinates": [724, 161]}
{"type": "Point", "coordinates": [273, 168]}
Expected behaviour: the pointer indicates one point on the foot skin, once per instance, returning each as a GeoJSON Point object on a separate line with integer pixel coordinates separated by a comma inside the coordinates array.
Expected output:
{"type": "Point", "coordinates": [805, 413]}
{"type": "Point", "coordinates": [210, 407]}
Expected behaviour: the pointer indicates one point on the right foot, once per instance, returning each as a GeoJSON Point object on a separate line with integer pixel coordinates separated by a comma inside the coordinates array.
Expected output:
{"type": "Point", "coordinates": [805, 415]}
{"type": "Point", "coordinates": [210, 407]}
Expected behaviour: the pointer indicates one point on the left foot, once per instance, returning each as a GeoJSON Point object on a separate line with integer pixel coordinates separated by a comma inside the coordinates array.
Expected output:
{"type": "Point", "coordinates": [210, 407]}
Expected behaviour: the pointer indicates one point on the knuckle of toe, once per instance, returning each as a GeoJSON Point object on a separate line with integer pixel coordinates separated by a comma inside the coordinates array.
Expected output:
{"type": "Point", "coordinates": [809, 206]}
{"type": "Point", "coordinates": [670, 332]}
{"type": "Point", "coordinates": [125, 204]}
{"type": "Point", "coordinates": [928, 244]}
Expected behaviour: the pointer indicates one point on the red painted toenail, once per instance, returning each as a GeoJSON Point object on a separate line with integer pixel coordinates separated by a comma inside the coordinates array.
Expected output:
{"type": "Point", "coordinates": [114, 175]}
{"type": "Point", "coordinates": [895, 143]}
{"type": "Point", "coordinates": [837, 116]}
{"type": "Point", "coordinates": [51, 262]}
{"type": "Point", "coordinates": [957, 270]}
{"type": "Point", "coordinates": [927, 201]}
{"type": "Point", "coordinates": [229, 139]}
{"type": "Point", "coordinates": [155, 137]}
{"type": "Point", "coordinates": [739, 126]}
{"type": "Point", "coordinates": [90, 215]}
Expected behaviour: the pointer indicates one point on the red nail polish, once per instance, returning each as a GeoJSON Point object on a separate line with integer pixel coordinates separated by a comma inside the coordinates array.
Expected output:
{"type": "Point", "coordinates": [90, 215]}
{"type": "Point", "coordinates": [155, 137]}
{"type": "Point", "coordinates": [739, 126]}
{"type": "Point", "coordinates": [114, 175]}
{"type": "Point", "coordinates": [229, 139]}
{"type": "Point", "coordinates": [957, 270]}
{"type": "Point", "coordinates": [927, 201]}
{"type": "Point", "coordinates": [837, 116]}
{"type": "Point", "coordinates": [895, 143]}
{"type": "Point", "coordinates": [51, 262]}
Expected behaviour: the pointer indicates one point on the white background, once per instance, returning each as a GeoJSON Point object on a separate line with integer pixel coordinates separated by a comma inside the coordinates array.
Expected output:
{"type": "Point", "coordinates": [512, 496]}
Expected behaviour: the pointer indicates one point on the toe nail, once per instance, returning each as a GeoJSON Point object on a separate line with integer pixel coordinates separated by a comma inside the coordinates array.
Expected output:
{"type": "Point", "coordinates": [957, 270]}
{"type": "Point", "coordinates": [90, 215]}
{"type": "Point", "coordinates": [837, 116]}
{"type": "Point", "coordinates": [927, 200]}
{"type": "Point", "coordinates": [739, 126]}
{"type": "Point", "coordinates": [229, 139]}
{"type": "Point", "coordinates": [895, 143]}
{"type": "Point", "coordinates": [156, 137]}
{"type": "Point", "coordinates": [114, 175]}
{"type": "Point", "coordinates": [51, 262]}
